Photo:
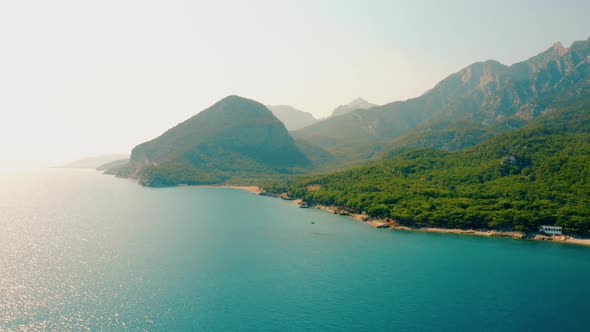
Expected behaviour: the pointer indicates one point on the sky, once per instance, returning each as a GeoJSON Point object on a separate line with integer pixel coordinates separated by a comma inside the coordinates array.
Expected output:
{"type": "Point", "coordinates": [87, 77]}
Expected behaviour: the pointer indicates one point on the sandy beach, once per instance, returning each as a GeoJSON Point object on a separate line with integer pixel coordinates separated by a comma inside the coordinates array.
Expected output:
{"type": "Point", "coordinates": [572, 240]}
{"type": "Point", "coordinates": [252, 189]}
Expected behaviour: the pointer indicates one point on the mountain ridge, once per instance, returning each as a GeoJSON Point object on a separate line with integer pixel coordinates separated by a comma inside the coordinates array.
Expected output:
{"type": "Point", "coordinates": [485, 92]}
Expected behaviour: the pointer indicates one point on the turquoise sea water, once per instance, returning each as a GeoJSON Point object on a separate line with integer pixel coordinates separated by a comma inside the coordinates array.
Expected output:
{"type": "Point", "coordinates": [80, 250]}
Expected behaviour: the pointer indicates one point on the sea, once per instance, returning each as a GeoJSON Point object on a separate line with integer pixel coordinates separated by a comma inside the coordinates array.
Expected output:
{"type": "Point", "coordinates": [80, 251]}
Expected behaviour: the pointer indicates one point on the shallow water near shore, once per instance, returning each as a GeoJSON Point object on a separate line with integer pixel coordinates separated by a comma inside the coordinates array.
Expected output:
{"type": "Point", "coordinates": [81, 250]}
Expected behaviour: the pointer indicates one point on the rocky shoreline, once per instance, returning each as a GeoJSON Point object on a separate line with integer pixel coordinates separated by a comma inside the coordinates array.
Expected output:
{"type": "Point", "coordinates": [392, 224]}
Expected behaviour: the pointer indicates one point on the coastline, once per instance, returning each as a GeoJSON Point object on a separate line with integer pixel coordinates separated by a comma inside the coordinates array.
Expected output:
{"type": "Point", "coordinates": [392, 224]}
{"type": "Point", "coordinates": [387, 223]}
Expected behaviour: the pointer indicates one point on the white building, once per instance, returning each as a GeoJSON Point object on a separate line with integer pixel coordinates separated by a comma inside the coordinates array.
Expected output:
{"type": "Point", "coordinates": [553, 230]}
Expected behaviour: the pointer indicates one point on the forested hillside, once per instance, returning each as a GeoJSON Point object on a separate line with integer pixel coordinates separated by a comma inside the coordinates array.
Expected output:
{"type": "Point", "coordinates": [539, 174]}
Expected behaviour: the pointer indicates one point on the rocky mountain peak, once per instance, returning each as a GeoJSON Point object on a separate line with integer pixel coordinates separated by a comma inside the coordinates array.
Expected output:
{"type": "Point", "coordinates": [558, 47]}
{"type": "Point", "coordinates": [359, 100]}
{"type": "Point", "coordinates": [358, 103]}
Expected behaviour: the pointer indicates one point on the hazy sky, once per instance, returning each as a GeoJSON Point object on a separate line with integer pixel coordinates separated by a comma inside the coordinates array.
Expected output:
{"type": "Point", "coordinates": [84, 77]}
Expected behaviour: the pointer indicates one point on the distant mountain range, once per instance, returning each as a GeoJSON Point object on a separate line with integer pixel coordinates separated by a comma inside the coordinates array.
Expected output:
{"type": "Point", "coordinates": [95, 162]}
{"type": "Point", "coordinates": [295, 119]}
{"type": "Point", "coordinates": [357, 104]}
{"type": "Point", "coordinates": [291, 117]}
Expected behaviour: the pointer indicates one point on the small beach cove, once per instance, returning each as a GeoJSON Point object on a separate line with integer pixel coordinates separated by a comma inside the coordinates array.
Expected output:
{"type": "Point", "coordinates": [251, 189]}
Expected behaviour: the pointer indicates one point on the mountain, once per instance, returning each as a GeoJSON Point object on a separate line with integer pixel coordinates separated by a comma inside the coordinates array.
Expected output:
{"type": "Point", "coordinates": [94, 162]}
{"type": "Point", "coordinates": [357, 104]}
{"type": "Point", "coordinates": [485, 94]}
{"type": "Point", "coordinates": [291, 117]}
{"type": "Point", "coordinates": [234, 138]}
{"type": "Point", "coordinates": [518, 180]}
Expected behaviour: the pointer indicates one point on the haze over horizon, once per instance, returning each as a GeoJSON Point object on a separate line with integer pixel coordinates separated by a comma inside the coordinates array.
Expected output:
{"type": "Point", "coordinates": [88, 77]}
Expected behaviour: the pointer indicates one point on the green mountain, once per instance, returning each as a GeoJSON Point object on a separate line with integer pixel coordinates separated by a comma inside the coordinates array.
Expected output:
{"type": "Point", "coordinates": [236, 138]}
{"type": "Point", "coordinates": [291, 117]}
{"type": "Point", "coordinates": [517, 180]}
{"type": "Point", "coordinates": [485, 94]}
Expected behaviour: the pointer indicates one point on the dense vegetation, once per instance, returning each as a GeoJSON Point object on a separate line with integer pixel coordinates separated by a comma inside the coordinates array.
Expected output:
{"type": "Point", "coordinates": [518, 180]}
